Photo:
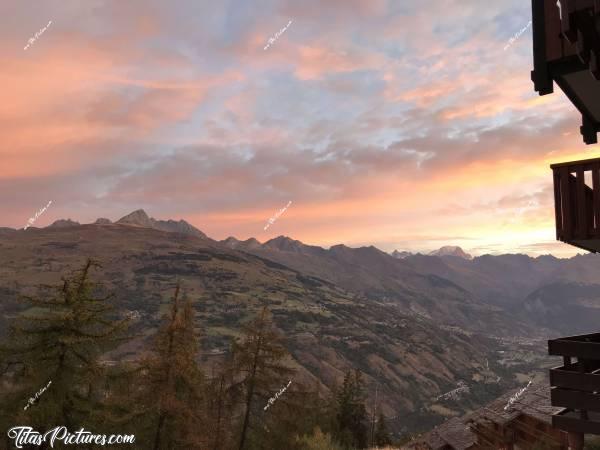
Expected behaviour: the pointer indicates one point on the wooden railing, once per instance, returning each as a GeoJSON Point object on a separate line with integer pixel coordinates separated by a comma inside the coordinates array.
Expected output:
{"type": "Point", "coordinates": [577, 203]}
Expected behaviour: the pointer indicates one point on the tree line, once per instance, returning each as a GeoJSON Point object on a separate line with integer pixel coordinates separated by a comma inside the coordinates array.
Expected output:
{"type": "Point", "coordinates": [164, 397]}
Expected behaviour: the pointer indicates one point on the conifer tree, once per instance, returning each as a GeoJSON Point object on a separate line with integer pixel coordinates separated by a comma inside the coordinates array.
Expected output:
{"type": "Point", "coordinates": [297, 412]}
{"type": "Point", "coordinates": [220, 406]}
{"type": "Point", "coordinates": [172, 383]}
{"type": "Point", "coordinates": [259, 358]}
{"type": "Point", "coordinates": [382, 437]}
{"type": "Point", "coordinates": [351, 414]}
{"type": "Point", "coordinates": [57, 343]}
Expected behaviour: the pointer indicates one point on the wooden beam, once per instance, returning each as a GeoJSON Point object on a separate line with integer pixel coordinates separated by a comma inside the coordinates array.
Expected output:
{"type": "Point", "coordinates": [557, 206]}
{"type": "Point", "coordinates": [583, 162]}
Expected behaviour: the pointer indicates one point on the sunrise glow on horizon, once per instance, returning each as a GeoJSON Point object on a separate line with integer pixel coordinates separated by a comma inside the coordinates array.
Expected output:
{"type": "Point", "coordinates": [381, 123]}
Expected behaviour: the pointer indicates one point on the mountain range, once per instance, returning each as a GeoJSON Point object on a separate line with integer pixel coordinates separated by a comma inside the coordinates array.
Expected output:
{"type": "Point", "coordinates": [140, 218]}
{"type": "Point", "coordinates": [415, 325]}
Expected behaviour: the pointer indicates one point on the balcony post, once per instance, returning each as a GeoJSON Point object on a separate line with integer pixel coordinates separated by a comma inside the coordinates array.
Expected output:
{"type": "Point", "coordinates": [565, 194]}
{"type": "Point", "coordinates": [557, 205]}
{"type": "Point", "coordinates": [582, 369]}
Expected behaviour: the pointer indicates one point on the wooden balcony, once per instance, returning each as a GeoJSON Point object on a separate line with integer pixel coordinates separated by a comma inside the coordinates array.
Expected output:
{"type": "Point", "coordinates": [577, 203]}
{"type": "Point", "coordinates": [566, 51]}
{"type": "Point", "coordinates": [576, 385]}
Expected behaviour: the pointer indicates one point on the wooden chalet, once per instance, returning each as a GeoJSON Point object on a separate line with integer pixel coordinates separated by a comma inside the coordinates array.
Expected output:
{"type": "Point", "coordinates": [576, 384]}
{"type": "Point", "coordinates": [566, 51]}
{"type": "Point", "coordinates": [525, 425]}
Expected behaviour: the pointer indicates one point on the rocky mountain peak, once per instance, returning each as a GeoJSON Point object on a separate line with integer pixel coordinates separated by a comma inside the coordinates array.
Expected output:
{"type": "Point", "coordinates": [450, 250]}
{"type": "Point", "coordinates": [62, 223]}
{"type": "Point", "coordinates": [138, 217]}
{"type": "Point", "coordinates": [401, 255]}
{"type": "Point", "coordinates": [284, 243]}
{"type": "Point", "coordinates": [248, 244]}
{"type": "Point", "coordinates": [231, 242]}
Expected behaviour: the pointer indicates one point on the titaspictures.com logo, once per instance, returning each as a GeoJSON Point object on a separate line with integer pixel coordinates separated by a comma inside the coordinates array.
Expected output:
{"type": "Point", "coordinates": [28, 436]}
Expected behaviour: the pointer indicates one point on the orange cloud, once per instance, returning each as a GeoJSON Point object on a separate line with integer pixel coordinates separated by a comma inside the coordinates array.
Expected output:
{"type": "Point", "coordinates": [315, 62]}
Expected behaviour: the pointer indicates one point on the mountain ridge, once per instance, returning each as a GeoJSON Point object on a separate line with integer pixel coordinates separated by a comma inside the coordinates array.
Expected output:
{"type": "Point", "coordinates": [139, 217]}
{"type": "Point", "coordinates": [397, 343]}
{"type": "Point", "coordinates": [406, 323]}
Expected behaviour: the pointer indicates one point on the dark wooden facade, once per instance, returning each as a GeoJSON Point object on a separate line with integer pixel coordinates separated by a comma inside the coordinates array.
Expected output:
{"type": "Point", "coordinates": [576, 384]}
{"type": "Point", "coordinates": [567, 52]}
{"type": "Point", "coordinates": [517, 420]}
{"type": "Point", "coordinates": [523, 432]}
{"type": "Point", "coordinates": [525, 423]}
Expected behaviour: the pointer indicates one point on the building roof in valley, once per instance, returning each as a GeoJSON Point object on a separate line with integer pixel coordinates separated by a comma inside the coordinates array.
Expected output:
{"type": "Point", "coordinates": [453, 433]}
{"type": "Point", "coordinates": [456, 433]}
{"type": "Point", "coordinates": [533, 402]}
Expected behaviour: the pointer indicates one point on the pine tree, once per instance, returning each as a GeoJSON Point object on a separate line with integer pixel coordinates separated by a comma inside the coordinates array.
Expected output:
{"type": "Point", "coordinates": [220, 406]}
{"type": "Point", "coordinates": [351, 414]}
{"type": "Point", "coordinates": [259, 358]}
{"type": "Point", "coordinates": [57, 343]}
{"type": "Point", "coordinates": [382, 437]}
{"type": "Point", "coordinates": [173, 383]}
{"type": "Point", "coordinates": [119, 407]}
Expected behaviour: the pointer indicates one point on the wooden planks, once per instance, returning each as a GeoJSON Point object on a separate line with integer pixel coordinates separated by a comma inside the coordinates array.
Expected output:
{"type": "Point", "coordinates": [577, 205]}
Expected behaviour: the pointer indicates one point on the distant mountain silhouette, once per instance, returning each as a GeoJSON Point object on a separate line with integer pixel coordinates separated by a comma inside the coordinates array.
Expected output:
{"type": "Point", "coordinates": [286, 244]}
{"type": "Point", "coordinates": [62, 223]}
{"type": "Point", "coordinates": [401, 255]}
{"type": "Point", "coordinates": [248, 244]}
{"type": "Point", "coordinates": [141, 219]}
{"type": "Point", "coordinates": [137, 217]}
{"type": "Point", "coordinates": [449, 250]}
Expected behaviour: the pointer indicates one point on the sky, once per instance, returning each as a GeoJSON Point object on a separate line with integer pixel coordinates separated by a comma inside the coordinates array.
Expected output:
{"type": "Point", "coordinates": [407, 125]}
